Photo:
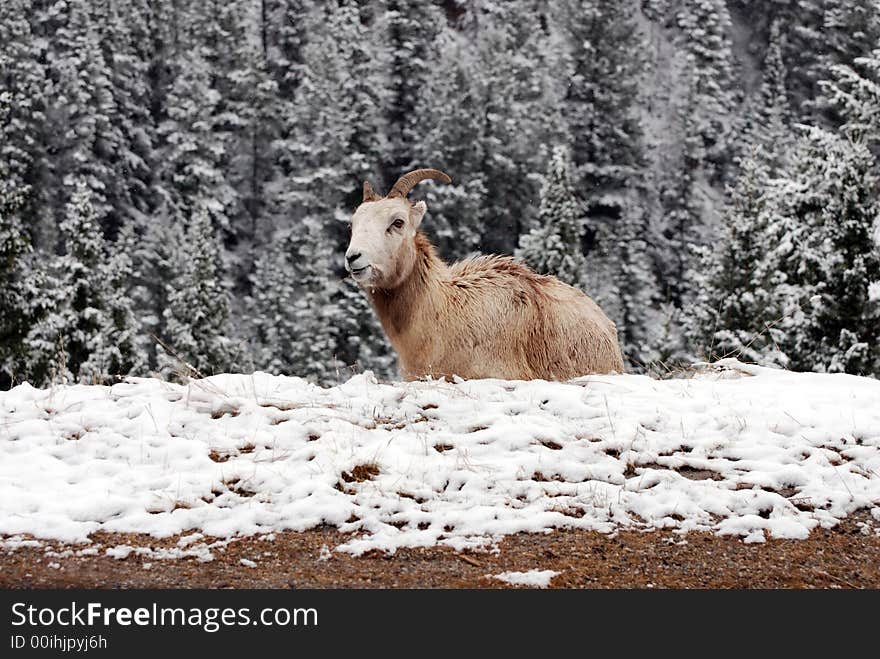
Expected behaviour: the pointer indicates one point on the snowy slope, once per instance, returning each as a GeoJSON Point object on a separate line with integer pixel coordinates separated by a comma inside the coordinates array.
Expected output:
{"type": "Point", "coordinates": [736, 449]}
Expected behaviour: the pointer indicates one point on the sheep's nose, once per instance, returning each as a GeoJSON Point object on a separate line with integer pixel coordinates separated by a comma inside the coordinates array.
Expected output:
{"type": "Point", "coordinates": [352, 257]}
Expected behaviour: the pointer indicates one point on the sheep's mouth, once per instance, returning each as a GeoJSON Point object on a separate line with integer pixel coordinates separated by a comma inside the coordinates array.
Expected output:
{"type": "Point", "coordinates": [359, 273]}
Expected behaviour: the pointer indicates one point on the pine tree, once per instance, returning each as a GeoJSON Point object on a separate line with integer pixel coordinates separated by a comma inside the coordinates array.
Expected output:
{"type": "Point", "coordinates": [792, 282]}
{"type": "Point", "coordinates": [735, 311]}
{"type": "Point", "coordinates": [830, 257]}
{"type": "Point", "coordinates": [23, 125]}
{"type": "Point", "coordinates": [768, 120]}
{"type": "Point", "coordinates": [631, 293]}
{"type": "Point", "coordinates": [197, 328]}
{"type": "Point", "coordinates": [245, 116]}
{"type": "Point", "coordinates": [819, 34]}
{"type": "Point", "coordinates": [683, 204]}
{"type": "Point", "coordinates": [554, 247]}
{"type": "Point", "coordinates": [124, 32]}
{"type": "Point", "coordinates": [600, 105]}
{"type": "Point", "coordinates": [274, 331]}
{"type": "Point", "coordinates": [412, 29]}
{"type": "Point", "coordinates": [70, 319]}
{"type": "Point", "coordinates": [13, 302]}
{"type": "Point", "coordinates": [706, 30]}
{"type": "Point", "coordinates": [850, 29]}
{"type": "Point", "coordinates": [190, 173]}
{"type": "Point", "coordinates": [84, 105]}
{"type": "Point", "coordinates": [84, 328]}
{"type": "Point", "coordinates": [128, 302]}
{"type": "Point", "coordinates": [483, 116]}
{"type": "Point", "coordinates": [285, 31]}
{"type": "Point", "coordinates": [14, 244]}
{"type": "Point", "coordinates": [512, 90]}
{"type": "Point", "coordinates": [339, 134]}
{"type": "Point", "coordinates": [855, 93]}
{"type": "Point", "coordinates": [318, 319]}
{"type": "Point", "coordinates": [449, 123]}
{"type": "Point", "coordinates": [156, 252]}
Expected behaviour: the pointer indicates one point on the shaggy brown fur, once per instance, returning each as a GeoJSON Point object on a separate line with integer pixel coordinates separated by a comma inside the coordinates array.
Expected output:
{"type": "Point", "coordinates": [492, 317]}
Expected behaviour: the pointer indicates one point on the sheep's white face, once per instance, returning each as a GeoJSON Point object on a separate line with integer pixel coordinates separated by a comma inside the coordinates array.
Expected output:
{"type": "Point", "coordinates": [382, 252]}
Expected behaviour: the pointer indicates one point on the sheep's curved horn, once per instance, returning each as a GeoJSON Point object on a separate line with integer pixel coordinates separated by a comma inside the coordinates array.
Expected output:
{"type": "Point", "coordinates": [369, 194]}
{"type": "Point", "coordinates": [406, 182]}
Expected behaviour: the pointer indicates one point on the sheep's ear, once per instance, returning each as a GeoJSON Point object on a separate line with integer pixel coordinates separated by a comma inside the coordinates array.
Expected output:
{"type": "Point", "coordinates": [418, 212]}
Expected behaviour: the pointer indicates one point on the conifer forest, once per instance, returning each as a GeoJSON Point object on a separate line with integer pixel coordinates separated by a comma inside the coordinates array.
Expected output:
{"type": "Point", "coordinates": [176, 176]}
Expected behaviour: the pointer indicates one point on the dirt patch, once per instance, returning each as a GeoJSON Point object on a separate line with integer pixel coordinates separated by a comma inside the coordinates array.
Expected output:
{"type": "Point", "coordinates": [239, 487]}
{"type": "Point", "coordinates": [217, 456]}
{"type": "Point", "coordinates": [361, 473]}
{"type": "Point", "coordinates": [843, 557]}
{"type": "Point", "coordinates": [549, 443]}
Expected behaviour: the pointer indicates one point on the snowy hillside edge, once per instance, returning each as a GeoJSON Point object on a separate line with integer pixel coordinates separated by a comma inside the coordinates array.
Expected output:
{"type": "Point", "coordinates": [735, 449]}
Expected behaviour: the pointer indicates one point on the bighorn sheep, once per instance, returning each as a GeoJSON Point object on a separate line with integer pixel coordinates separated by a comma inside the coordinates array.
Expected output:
{"type": "Point", "coordinates": [486, 317]}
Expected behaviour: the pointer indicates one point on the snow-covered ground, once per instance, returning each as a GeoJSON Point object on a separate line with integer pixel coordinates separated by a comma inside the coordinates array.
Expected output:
{"type": "Point", "coordinates": [735, 449]}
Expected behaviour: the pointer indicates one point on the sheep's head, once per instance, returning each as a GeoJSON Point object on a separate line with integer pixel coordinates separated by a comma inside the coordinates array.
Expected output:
{"type": "Point", "coordinates": [382, 249]}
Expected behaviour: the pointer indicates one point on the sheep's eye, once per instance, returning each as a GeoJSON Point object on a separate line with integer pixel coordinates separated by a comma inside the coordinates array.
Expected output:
{"type": "Point", "coordinates": [397, 224]}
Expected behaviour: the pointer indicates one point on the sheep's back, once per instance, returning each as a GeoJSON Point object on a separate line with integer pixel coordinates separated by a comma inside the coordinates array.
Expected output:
{"type": "Point", "coordinates": [543, 327]}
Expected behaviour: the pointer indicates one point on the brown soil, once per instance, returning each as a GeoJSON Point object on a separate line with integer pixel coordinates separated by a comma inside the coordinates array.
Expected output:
{"type": "Point", "coordinates": [843, 557]}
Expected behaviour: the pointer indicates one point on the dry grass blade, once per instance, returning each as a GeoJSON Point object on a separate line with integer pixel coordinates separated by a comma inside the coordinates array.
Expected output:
{"type": "Point", "coordinates": [190, 369]}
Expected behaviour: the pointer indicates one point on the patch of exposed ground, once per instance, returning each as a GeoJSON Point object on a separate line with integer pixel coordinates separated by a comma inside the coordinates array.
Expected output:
{"type": "Point", "coordinates": [847, 556]}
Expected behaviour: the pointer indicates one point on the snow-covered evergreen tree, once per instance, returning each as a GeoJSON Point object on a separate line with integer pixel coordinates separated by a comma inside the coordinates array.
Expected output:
{"type": "Point", "coordinates": [554, 246]}
{"type": "Point", "coordinates": [128, 304]}
{"type": "Point", "coordinates": [83, 105]}
{"type": "Point", "coordinates": [190, 173]}
{"type": "Point", "coordinates": [22, 129]}
{"type": "Point", "coordinates": [317, 315]}
{"type": "Point", "coordinates": [605, 61]}
{"type": "Point", "coordinates": [706, 29]}
{"type": "Point", "coordinates": [630, 295]}
{"type": "Point", "coordinates": [123, 28]}
{"type": "Point", "coordinates": [830, 257]}
{"type": "Point", "coordinates": [339, 135]}
{"type": "Point", "coordinates": [682, 197]}
{"type": "Point", "coordinates": [791, 282]}
{"type": "Point", "coordinates": [245, 115]}
{"type": "Point", "coordinates": [14, 244]}
{"type": "Point", "coordinates": [273, 325]}
{"type": "Point", "coordinates": [483, 116]}
{"type": "Point", "coordinates": [362, 346]}
{"type": "Point", "coordinates": [517, 119]}
{"type": "Point", "coordinates": [285, 29]}
{"type": "Point", "coordinates": [449, 123]}
{"type": "Point", "coordinates": [848, 29]}
{"type": "Point", "coordinates": [412, 28]}
{"type": "Point", "coordinates": [197, 328]}
{"type": "Point", "coordinates": [284, 32]}
{"type": "Point", "coordinates": [767, 123]}
{"type": "Point", "coordinates": [855, 93]}
{"type": "Point", "coordinates": [735, 311]}
{"type": "Point", "coordinates": [84, 328]}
